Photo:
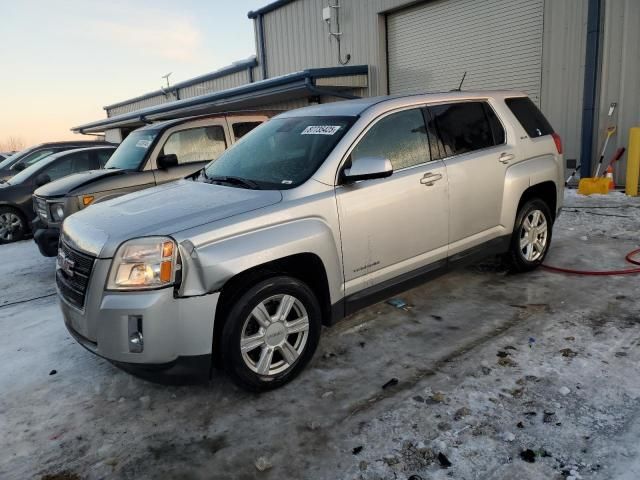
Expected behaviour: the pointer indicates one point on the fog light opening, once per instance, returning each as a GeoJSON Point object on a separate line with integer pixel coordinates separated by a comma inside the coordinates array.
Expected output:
{"type": "Point", "coordinates": [136, 340]}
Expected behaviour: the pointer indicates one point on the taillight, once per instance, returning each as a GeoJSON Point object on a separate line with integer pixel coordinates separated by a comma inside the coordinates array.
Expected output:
{"type": "Point", "coordinates": [558, 140]}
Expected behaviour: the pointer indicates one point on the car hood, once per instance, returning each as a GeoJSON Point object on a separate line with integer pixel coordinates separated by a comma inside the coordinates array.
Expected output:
{"type": "Point", "coordinates": [164, 210]}
{"type": "Point", "coordinates": [61, 187]}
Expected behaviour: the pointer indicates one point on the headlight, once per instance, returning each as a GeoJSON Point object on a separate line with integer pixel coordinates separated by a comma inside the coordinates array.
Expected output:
{"type": "Point", "coordinates": [144, 263]}
{"type": "Point", "coordinates": [57, 212]}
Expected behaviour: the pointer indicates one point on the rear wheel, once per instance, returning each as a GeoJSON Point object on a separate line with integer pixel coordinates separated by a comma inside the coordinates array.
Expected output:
{"type": "Point", "coordinates": [271, 333]}
{"type": "Point", "coordinates": [13, 226]}
{"type": "Point", "coordinates": [531, 236]}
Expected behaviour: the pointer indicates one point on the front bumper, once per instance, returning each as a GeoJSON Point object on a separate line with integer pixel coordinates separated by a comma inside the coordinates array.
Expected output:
{"type": "Point", "coordinates": [172, 329]}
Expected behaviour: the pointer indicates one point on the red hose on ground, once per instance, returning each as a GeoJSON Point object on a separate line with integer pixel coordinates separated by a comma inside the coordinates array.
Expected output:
{"type": "Point", "coordinates": [629, 258]}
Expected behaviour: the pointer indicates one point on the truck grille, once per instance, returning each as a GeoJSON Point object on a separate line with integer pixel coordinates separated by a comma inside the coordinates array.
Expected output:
{"type": "Point", "coordinates": [73, 272]}
{"type": "Point", "coordinates": [41, 207]}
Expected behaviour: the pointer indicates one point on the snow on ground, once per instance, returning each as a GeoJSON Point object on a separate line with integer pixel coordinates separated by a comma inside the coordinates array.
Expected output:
{"type": "Point", "coordinates": [528, 376]}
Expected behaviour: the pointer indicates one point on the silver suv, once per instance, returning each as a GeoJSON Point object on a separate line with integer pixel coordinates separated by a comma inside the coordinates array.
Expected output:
{"type": "Point", "coordinates": [311, 216]}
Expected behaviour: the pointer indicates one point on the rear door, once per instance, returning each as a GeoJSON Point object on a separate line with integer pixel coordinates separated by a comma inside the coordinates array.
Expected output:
{"type": "Point", "coordinates": [476, 154]}
{"type": "Point", "coordinates": [194, 146]}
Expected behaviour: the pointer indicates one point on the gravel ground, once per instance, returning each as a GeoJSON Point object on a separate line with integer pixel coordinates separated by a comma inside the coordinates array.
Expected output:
{"type": "Point", "coordinates": [485, 375]}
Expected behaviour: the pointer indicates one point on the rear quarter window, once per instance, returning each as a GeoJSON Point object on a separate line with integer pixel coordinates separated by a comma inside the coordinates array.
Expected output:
{"type": "Point", "coordinates": [529, 116]}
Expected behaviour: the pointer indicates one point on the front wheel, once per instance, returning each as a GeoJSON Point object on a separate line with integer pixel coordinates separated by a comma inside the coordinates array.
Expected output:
{"type": "Point", "coordinates": [271, 333]}
{"type": "Point", "coordinates": [531, 236]}
{"type": "Point", "coordinates": [13, 226]}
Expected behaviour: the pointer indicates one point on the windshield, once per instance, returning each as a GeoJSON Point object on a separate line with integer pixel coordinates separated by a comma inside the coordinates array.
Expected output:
{"type": "Point", "coordinates": [280, 154]}
{"type": "Point", "coordinates": [34, 157]}
{"type": "Point", "coordinates": [12, 158]}
{"type": "Point", "coordinates": [132, 151]}
{"type": "Point", "coordinates": [27, 173]}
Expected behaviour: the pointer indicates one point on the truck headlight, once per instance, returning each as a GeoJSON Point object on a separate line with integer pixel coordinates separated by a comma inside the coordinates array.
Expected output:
{"type": "Point", "coordinates": [57, 212]}
{"type": "Point", "coordinates": [144, 263]}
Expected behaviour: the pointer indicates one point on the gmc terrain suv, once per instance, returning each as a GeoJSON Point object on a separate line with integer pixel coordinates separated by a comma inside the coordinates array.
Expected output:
{"type": "Point", "coordinates": [314, 214]}
{"type": "Point", "coordinates": [152, 155]}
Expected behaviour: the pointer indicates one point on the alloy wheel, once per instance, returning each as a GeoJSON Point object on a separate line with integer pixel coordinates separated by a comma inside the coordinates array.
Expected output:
{"type": "Point", "coordinates": [10, 224]}
{"type": "Point", "coordinates": [274, 335]}
{"type": "Point", "coordinates": [533, 236]}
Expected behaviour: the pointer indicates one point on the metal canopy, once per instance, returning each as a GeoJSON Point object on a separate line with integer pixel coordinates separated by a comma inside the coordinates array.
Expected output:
{"type": "Point", "coordinates": [295, 85]}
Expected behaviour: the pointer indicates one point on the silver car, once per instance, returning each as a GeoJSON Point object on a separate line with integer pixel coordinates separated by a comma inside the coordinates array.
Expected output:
{"type": "Point", "coordinates": [313, 215]}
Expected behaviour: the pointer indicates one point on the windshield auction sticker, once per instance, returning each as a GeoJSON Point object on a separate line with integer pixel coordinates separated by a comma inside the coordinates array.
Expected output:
{"type": "Point", "coordinates": [320, 130]}
{"type": "Point", "coordinates": [143, 143]}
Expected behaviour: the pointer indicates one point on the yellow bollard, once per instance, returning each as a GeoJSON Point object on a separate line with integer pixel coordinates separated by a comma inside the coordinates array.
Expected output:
{"type": "Point", "coordinates": [633, 162]}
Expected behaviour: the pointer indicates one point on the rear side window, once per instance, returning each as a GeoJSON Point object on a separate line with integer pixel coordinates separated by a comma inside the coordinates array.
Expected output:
{"type": "Point", "coordinates": [463, 127]}
{"type": "Point", "coordinates": [529, 116]}
{"type": "Point", "coordinates": [240, 129]}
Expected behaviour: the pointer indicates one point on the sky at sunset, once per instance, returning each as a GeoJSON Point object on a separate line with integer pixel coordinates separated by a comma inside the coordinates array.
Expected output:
{"type": "Point", "coordinates": [63, 60]}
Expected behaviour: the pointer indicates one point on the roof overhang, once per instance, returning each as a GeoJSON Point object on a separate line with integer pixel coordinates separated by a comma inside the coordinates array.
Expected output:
{"type": "Point", "coordinates": [332, 81]}
{"type": "Point", "coordinates": [268, 8]}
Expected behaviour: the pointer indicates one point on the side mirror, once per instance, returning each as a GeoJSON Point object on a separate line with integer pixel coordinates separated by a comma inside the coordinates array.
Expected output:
{"type": "Point", "coordinates": [164, 162]}
{"type": "Point", "coordinates": [19, 167]}
{"type": "Point", "coordinates": [368, 168]}
{"type": "Point", "coordinates": [42, 179]}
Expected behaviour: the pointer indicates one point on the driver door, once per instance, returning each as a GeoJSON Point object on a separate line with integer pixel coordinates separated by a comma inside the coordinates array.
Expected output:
{"type": "Point", "coordinates": [194, 147]}
{"type": "Point", "coordinates": [395, 226]}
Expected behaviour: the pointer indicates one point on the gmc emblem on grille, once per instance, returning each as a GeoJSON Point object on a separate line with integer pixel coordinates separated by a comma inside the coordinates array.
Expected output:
{"type": "Point", "coordinates": [65, 264]}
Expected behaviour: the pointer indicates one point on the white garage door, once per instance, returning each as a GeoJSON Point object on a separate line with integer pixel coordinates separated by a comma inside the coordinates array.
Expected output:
{"type": "Point", "coordinates": [497, 42]}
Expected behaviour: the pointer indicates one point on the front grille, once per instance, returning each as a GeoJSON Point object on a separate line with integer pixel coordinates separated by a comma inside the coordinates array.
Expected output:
{"type": "Point", "coordinates": [73, 273]}
{"type": "Point", "coordinates": [41, 208]}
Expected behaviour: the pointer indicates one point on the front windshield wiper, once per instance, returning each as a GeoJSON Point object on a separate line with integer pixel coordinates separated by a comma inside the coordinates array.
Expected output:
{"type": "Point", "coordinates": [237, 181]}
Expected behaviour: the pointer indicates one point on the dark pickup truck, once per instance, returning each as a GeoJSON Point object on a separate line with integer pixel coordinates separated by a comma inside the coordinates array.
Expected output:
{"type": "Point", "coordinates": [152, 155]}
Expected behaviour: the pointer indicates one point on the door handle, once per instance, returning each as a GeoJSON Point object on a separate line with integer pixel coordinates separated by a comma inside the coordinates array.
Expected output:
{"type": "Point", "coordinates": [430, 178]}
{"type": "Point", "coordinates": [506, 157]}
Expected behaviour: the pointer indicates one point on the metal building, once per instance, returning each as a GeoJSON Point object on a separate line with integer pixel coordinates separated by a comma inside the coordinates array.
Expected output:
{"type": "Point", "coordinates": [574, 58]}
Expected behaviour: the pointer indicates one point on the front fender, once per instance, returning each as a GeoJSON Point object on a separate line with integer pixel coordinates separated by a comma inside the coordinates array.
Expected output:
{"type": "Point", "coordinates": [520, 177]}
{"type": "Point", "coordinates": [207, 268]}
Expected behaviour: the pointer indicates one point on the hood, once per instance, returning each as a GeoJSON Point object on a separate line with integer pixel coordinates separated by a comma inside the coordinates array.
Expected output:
{"type": "Point", "coordinates": [64, 185]}
{"type": "Point", "coordinates": [164, 210]}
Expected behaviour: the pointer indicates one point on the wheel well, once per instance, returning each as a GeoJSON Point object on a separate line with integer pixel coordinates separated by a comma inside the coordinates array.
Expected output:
{"type": "Point", "coordinates": [545, 191]}
{"type": "Point", "coordinates": [306, 267]}
{"type": "Point", "coordinates": [19, 211]}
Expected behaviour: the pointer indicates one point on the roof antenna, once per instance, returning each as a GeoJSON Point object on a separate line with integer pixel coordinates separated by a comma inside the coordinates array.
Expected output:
{"type": "Point", "coordinates": [459, 89]}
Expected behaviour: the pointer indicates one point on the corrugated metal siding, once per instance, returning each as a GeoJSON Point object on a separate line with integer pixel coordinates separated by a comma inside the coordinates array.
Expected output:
{"type": "Point", "coordinates": [133, 106]}
{"type": "Point", "coordinates": [563, 55]}
{"type": "Point", "coordinates": [620, 77]}
{"type": "Point", "coordinates": [296, 37]}
{"type": "Point", "coordinates": [222, 83]}
{"type": "Point", "coordinates": [497, 42]}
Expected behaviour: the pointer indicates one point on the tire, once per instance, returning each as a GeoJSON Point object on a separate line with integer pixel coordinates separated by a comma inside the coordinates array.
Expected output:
{"type": "Point", "coordinates": [276, 349]}
{"type": "Point", "coordinates": [13, 225]}
{"type": "Point", "coordinates": [527, 253]}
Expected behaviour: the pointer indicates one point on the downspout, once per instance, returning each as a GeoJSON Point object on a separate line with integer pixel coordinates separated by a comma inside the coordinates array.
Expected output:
{"type": "Point", "coordinates": [263, 53]}
{"type": "Point", "coordinates": [312, 88]}
{"type": "Point", "coordinates": [591, 67]}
